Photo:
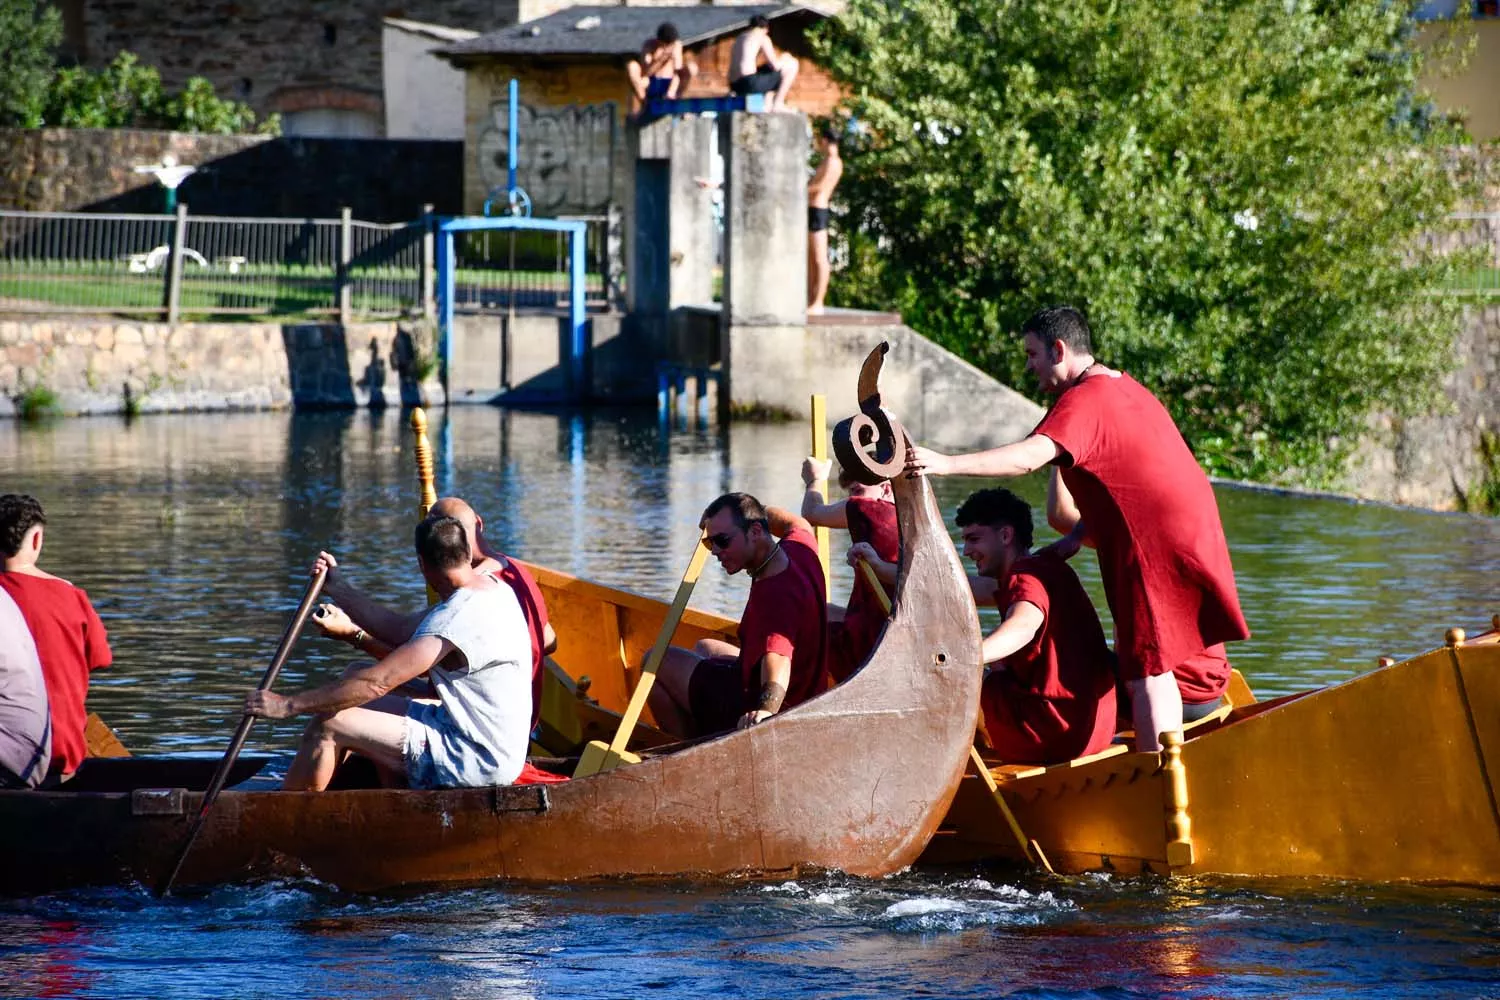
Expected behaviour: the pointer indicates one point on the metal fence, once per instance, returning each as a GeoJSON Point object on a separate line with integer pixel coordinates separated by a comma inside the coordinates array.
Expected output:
{"type": "Point", "coordinates": [182, 265]}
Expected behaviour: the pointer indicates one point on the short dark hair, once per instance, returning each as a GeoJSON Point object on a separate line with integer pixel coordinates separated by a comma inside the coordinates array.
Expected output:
{"type": "Point", "coordinates": [666, 33]}
{"type": "Point", "coordinates": [18, 514]}
{"type": "Point", "coordinates": [747, 510]}
{"type": "Point", "coordinates": [829, 134]}
{"type": "Point", "coordinates": [996, 508]}
{"type": "Point", "coordinates": [759, 21]}
{"type": "Point", "coordinates": [1060, 323]}
{"type": "Point", "coordinates": [442, 542]}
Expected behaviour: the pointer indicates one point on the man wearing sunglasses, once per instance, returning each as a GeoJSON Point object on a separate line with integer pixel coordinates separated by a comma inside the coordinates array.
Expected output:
{"type": "Point", "coordinates": [716, 686]}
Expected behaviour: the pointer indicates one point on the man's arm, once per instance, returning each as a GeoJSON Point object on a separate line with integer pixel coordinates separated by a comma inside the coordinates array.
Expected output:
{"type": "Point", "coordinates": [1005, 462]}
{"type": "Point", "coordinates": [358, 687]}
{"type": "Point", "coordinates": [815, 507]}
{"type": "Point", "coordinates": [824, 179]}
{"type": "Point", "coordinates": [391, 627]}
{"type": "Point", "coordinates": [765, 48]}
{"type": "Point", "coordinates": [885, 572]}
{"type": "Point", "coordinates": [777, 670]}
{"type": "Point", "coordinates": [1023, 620]}
{"type": "Point", "coordinates": [784, 522]}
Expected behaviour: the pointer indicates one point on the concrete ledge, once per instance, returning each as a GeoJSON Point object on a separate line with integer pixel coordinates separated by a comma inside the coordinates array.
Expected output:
{"type": "Point", "coordinates": [943, 401]}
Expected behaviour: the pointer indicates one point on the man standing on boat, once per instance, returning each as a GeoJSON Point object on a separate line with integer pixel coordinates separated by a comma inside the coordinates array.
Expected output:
{"type": "Point", "coordinates": [70, 638]}
{"type": "Point", "coordinates": [375, 629]}
{"type": "Point", "coordinates": [1049, 686]}
{"type": "Point", "coordinates": [1145, 505]}
{"type": "Point", "coordinates": [717, 686]}
{"type": "Point", "coordinates": [475, 650]}
{"type": "Point", "coordinates": [869, 515]}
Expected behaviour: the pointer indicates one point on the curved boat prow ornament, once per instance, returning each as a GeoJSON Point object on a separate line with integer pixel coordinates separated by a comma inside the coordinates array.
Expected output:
{"type": "Point", "coordinates": [871, 445]}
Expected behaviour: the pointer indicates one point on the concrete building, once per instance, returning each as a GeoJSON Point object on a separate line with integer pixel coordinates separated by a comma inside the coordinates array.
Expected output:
{"type": "Point", "coordinates": [574, 94]}
{"type": "Point", "coordinates": [424, 94]}
{"type": "Point", "coordinates": [1474, 91]}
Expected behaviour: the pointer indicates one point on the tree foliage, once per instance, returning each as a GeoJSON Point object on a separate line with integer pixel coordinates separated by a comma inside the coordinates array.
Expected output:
{"type": "Point", "coordinates": [1234, 191]}
{"type": "Point", "coordinates": [126, 94]}
{"type": "Point", "coordinates": [35, 92]}
{"type": "Point", "coordinates": [29, 35]}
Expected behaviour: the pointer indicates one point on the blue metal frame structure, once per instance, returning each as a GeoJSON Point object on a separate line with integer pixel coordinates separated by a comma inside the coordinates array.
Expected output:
{"type": "Point", "coordinates": [577, 316]}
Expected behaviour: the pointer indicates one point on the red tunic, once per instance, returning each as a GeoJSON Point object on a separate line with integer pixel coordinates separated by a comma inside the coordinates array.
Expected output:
{"type": "Point", "coordinates": [519, 579]}
{"type": "Point", "coordinates": [786, 614]}
{"type": "Point", "coordinates": [1152, 515]}
{"type": "Point", "coordinates": [849, 642]}
{"type": "Point", "coordinates": [1054, 700]}
{"type": "Point", "coordinates": [70, 642]}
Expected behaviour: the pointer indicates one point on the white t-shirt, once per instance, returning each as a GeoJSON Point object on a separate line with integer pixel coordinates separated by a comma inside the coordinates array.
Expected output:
{"type": "Point", "coordinates": [478, 732]}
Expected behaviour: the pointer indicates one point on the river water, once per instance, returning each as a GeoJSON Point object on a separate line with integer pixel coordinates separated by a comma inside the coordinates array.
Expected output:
{"type": "Point", "coordinates": [192, 535]}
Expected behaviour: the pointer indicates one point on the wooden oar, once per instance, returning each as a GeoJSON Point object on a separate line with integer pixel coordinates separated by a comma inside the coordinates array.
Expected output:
{"type": "Point", "coordinates": [288, 638]}
{"type": "Point", "coordinates": [820, 451]}
{"type": "Point", "coordinates": [1029, 847]}
{"type": "Point", "coordinates": [600, 757]}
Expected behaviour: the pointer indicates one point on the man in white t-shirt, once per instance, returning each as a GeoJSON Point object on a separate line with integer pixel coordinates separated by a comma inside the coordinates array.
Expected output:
{"type": "Point", "coordinates": [25, 728]}
{"type": "Point", "coordinates": [476, 651]}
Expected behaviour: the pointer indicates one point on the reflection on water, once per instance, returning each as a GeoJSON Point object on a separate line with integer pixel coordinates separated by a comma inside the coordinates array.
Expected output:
{"type": "Point", "coordinates": [192, 534]}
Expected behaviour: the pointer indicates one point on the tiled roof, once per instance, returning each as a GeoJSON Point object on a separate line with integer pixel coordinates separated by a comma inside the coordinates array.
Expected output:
{"type": "Point", "coordinates": [614, 31]}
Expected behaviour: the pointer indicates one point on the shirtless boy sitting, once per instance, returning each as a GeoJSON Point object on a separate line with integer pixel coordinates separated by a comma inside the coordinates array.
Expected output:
{"type": "Point", "coordinates": [755, 67]}
{"type": "Point", "coordinates": [662, 70]}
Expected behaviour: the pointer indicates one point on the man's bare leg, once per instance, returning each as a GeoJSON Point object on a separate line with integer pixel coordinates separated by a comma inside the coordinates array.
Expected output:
{"type": "Point", "coordinates": [706, 648]}
{"type": "Point", "coordinates": [671, 704]}
{"type": "Point", "coordinates": [788, 66]}
{"type": "Point", "coordinates": [1156, 705]}
{"type": "Point", "coordinates": [684, 78]}
{"type": "Point", "coordinates": [818, 270]}
{"type": "Point", "coordinates": [379, 735]}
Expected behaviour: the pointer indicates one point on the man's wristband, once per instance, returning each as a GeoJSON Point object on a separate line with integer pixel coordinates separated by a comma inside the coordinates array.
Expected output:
{"type": "Point", "coordinates": [359, 638]}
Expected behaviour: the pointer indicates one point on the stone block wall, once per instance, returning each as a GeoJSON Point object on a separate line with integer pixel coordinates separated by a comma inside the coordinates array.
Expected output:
{"type": "Point", "coordinates": [113, 366]}
{"type": "Point", "coordinates": [72, 170]}
{"type": "Point", "coordinates": [1429, 461]}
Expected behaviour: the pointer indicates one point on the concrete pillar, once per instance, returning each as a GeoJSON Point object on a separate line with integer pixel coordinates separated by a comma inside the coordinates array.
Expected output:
{"type": "Point", "coordinates": [765, 218]}
{"type": "Point", "coordinates": [673, 235]}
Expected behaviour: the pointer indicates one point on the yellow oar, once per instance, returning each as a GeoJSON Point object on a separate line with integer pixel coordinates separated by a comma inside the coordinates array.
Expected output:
{"type": "Point", "coordinates": [599, 757]}
{"type": "Point", "coordinates": [820, 451]}
{"type": "Point", "coordinates": [1029, 847]}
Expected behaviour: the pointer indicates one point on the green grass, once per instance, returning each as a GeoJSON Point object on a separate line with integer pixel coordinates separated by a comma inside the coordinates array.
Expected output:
{"type": "Point", "coordinates": [264, 290]}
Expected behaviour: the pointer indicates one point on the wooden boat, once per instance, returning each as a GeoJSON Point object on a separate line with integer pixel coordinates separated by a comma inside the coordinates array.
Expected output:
{"type": "Point", "coordinates": [856, 779]}
{"type": "Point", "coordinates": [1389, 776]}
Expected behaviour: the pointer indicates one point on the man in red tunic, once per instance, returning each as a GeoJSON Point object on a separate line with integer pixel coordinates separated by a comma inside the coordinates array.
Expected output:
{"type": "Point", "coordinates": [375, 629]}
{"type": "Point", "coordinates": [1049, 687]}
{"type": "Point", "coordinates": [1146, 506]}
{"type": "Point", "coordinates": [70, 638]}
{"type": "Point", "coordinates": [869, 514]}
{"type": "Point", "coordinates": [716, 686]}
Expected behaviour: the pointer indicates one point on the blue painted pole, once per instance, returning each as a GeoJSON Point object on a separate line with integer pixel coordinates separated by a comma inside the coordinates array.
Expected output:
{"type": "Point", "coordinates": [576, 316]}
{"type": "Point", "coordinates": [447, 264]}
{"type": "Point", "coordinates": [513, 100]}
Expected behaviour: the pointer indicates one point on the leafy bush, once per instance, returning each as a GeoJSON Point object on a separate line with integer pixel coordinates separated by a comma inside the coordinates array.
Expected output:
{"type": "Point", "coordinates": [126, 94]}
{"type": "Point", "coordinates": [28, 38]}
{"type": "Point", "coordinates": [1235, 193]}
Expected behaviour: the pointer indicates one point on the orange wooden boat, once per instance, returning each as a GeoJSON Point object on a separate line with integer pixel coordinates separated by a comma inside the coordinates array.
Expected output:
{"type": "Point", "coordinates": [857, 779]}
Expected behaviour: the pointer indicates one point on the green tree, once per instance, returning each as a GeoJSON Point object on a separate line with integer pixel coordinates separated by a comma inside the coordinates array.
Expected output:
{"type": "Point", "coordinates": [1235, 192]}
{"type": "Point", "coordinates": [29, 35]}
{"type": "Point", "coordinates": [126, 94]}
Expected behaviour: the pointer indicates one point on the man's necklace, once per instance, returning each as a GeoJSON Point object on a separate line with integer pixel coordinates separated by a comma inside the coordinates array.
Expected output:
{"type": "Point", "coordinates": [757, 570]}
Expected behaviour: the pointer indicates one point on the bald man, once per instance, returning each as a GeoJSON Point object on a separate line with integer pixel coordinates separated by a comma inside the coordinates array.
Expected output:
{"type": "Point", "coordinates": [375, 629]}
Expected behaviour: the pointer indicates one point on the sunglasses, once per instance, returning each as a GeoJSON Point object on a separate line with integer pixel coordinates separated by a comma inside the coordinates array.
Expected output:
{"type": "Point", "coordinates": [718, 542]}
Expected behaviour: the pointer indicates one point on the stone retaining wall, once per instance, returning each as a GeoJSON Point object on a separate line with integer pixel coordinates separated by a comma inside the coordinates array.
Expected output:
{"type": "Point", "coordinates": [110, 366]}
{"type": "Point", "coordinates": [1430, 461]}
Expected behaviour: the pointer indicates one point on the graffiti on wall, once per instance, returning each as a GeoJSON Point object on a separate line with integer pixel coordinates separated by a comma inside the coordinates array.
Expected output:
{"type": "Point", "coordinates": [565, 156]}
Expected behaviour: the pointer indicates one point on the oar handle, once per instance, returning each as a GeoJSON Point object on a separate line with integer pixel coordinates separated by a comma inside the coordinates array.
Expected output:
{"type": "Point", "coordinates": [659, 651]}
{"type": "Point", "coordinates": [242, 732]}
{"type": "Point", "coordinates": [874, 582]}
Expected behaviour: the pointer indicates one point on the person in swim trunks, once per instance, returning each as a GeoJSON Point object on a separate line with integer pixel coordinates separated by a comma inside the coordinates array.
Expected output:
{"type": "Point", "coordinates": [755, 67]}
{"type": "Point", "coordinates": [662, 71]}
{"type": "Point", "coordinates": [819, 196]}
